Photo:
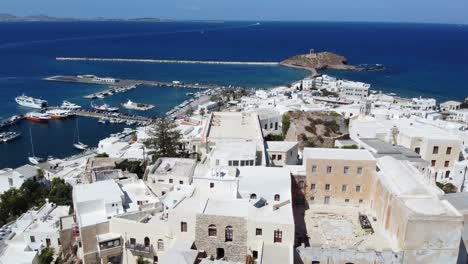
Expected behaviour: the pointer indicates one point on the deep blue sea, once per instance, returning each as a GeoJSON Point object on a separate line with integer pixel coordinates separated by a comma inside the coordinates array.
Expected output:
{"type": "Point", "coordinates": [420, 60]}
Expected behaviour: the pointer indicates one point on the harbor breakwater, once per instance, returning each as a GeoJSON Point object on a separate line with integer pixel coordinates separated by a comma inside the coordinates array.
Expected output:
{"type": "Point", "coordinates": [170, 61]}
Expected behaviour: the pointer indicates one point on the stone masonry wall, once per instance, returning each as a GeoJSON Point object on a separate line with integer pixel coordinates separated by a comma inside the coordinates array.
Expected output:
{"type": "Point", "coordinates": [233, 251]}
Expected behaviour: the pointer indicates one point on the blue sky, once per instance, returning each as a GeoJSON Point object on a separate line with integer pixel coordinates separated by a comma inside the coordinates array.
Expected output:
{"type": "Point", "coordinates": [433, 11]}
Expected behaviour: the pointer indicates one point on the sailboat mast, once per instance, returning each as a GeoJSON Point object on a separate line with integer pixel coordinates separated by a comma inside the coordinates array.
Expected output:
{"type": "Point", "coordinates": [32, 144]}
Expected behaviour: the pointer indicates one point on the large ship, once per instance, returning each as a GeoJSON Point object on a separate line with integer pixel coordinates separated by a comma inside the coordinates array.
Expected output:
{"type": "Point", "coordinates": [31, 102]}
{"type": "Point", "coordinates": [37, 117]}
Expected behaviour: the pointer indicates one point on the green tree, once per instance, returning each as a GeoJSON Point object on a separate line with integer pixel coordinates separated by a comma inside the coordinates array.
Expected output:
{"type": "Point", "coordinates": [189, 111]}
{"type": "Point", "coordinates": [202, 111]}
{"type": "Point", "coordinates": [286, 124]}
{"type": "Point", "coordinates": [164, 139]}
{"type": "Point", "coordinates": [61, 192]}
{"type": "Point", "coordinates": [132, 166]}
{"type": "Point", "coordinates": [102, 155]}
{"type": "Point", "coordinates": [13, 203]}
{"type": "Point", "coordinates": [35, 192]}
{"type": "Point", "coordinates": [141, 260]}
{"type": "Point", "coordinates": [46, 256]}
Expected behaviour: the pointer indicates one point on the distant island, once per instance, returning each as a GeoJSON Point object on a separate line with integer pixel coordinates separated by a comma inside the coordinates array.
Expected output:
{"type": "Point", "coordinates": [315, 61]}
{"type": "Point", "coordinates": [45, 18]}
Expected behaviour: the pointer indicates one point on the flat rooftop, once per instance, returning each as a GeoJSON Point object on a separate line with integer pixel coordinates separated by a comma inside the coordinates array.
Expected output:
{"type": "Point", "coordinates": [281, 146]}
{"type": "Point", "coordinates": [174, 166]}
{"type": "Point", "coordinates": [380, 148]}
{"type": "Point", "coordinates": [332, 226]}
{"type": "Point", "coordinates": [337, 154]}
{"type": "Point", "coordinates": [405, 182]}
{"type": "Point", "coordinates": [234, 125]}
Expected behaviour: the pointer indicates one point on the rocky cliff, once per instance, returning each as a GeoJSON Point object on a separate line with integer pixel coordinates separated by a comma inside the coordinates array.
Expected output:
{"type": "Point", "coordinates": [319, 61]}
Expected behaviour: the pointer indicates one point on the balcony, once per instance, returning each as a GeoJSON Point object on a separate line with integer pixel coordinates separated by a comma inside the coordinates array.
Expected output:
{"type": "Point", "coordinates": [139, 248]}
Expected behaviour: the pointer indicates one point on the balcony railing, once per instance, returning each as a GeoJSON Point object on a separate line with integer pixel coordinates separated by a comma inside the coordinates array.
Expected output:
{"type": "Point", "coordinates": [137, 247]}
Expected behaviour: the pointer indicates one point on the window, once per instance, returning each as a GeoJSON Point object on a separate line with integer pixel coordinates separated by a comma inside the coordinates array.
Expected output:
{"type": "Point", "coordinates": [449, 151]}
{"type": "Point", "coordinates": [327, 187]}
{"type": "Point", "coordinates": [446, 164]}
{"type": "Point", "coordinates": [433, 163]}
{"type": "Point", "coordinates": [326, 200]}
{"type": "Point", "coordinates": [183, 226]}
{"type": "Point", "coordinates": [447, 174]}
{"type": "Point", "coordinates": [160, 245]}
{"type": "Point", "coordinates": [314, 168]}
{"type": "Point", "coordinates": [312, 198]}
{"type": "Point", "coordinates": [33, 239]}
{"type": "Point", "coordinates": [273, 157]}
{"type": "Point", "coordinates": [253, 196]}
{"type": "Point", "coordinates": [181, 182]}
{"type": "Point", "coordinates": [346, 170]}
{"type": "Point", "coordinates": [132, 241]}
{"type": "Point", "coordinates": [171, 180]}
{"type": "Point", "coordinates": [312, 187]}
{"type": "Point", "coordinates": [280, 157]}
{"type": "Point", "coordinates": [266, 126]}
{"type": "Point", "coordinates": [211, 184]}
{"type": "Point", "coordinates": [359, 170]}
{"type": "Point", "coordinates": [344, 188]}
{"type": "Point", "coordinates": [230, 163]}
{"type": "Point", "coordinates": [276, 125]}
{"type": "Point", "coordinates": [255, 254]}
{"type": "Point", "coordinates": [360, 200]}
{"type": "Point", "coordinates": [435, 150]}
{"type": "Point", "coordinates": [278, 236]}
{"type": "Point", "coordinates": [358, 188]}
{"type": "Point", "coordinates": [301, 185]}
{"type": "Point", "coordinates": [217, 162]}
{"type": "Point", "coordinates": [346, 200]}
{"type": "Point", "coordinates": [277, 197]}
{"type": "Point", "coordinates": [242, 163]}
{"type": "Point", "coordinates": [417, 150]}
{"type": "Point", "coordinates": [147, 241]}
{"type": "Point", "coordinates": [212, 230]}
{"type": "Point", "coordinates": [271, 125]}
{"type": "Point", "coordinates": [10, 181]}
{"type": "Point", "coordinates": [329, 169]}
{"type": "Point", "coordinates": [228, 233]}
{"type": "Point", "coordinates": [258, 231]}
{"type": "Point", "coordinates": [235, 163]}
{"type": "Point", "coordinates": [251, 163]}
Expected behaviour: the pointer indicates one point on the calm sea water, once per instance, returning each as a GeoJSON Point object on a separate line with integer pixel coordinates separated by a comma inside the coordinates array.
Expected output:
{"type": "Point", "coordinates": [426, 60]}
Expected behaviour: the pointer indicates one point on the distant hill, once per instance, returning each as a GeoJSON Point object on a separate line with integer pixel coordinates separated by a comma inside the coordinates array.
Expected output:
{"type": "Point", "coordinates": [44, 18]}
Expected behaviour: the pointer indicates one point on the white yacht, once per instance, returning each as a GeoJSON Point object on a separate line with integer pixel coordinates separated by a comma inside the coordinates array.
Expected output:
{"type": "Point", "coordinates": [31, 102]}
{"type": "Point", "coordinates": [69, 105]}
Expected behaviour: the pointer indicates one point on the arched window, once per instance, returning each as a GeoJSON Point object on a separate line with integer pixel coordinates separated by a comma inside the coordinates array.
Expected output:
{"type": "Point", "coordinates": [253, 196]}
{"type": "Point", "coordinates": [160, 245]}
{"type": "Point", "coordinates": [315, 262]}
{"type": "Point", "coordinates": [229, 233]}
{"type": "Point", "coordinates": [147, 242]}
{"type": "Point", "coordinates": [212, 230]}
{"type": "Point", "coordinates": [277, 197]}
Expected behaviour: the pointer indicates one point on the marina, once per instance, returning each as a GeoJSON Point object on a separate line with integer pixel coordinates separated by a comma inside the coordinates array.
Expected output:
{"type": "Point", "coordinates": [125, 85]}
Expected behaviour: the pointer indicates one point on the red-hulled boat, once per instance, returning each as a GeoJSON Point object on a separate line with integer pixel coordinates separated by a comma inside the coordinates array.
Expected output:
{"type": "Point", "coordinates": [37, 117]}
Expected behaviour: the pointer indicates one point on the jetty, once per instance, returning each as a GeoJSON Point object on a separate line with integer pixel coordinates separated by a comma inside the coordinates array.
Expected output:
{"type": "Point", "coordinates": [259, 63]}
{"type": "Point", "coordinates": [124, 85]}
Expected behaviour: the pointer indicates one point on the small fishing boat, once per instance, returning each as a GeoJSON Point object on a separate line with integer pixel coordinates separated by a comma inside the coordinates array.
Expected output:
{"type": "Point", "coordinates": [9, 136]}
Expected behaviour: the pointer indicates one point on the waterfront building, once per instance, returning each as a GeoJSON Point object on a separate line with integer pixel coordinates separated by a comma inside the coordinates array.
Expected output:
{"type": "Point", "coordinates": [353, 90]}
{"type": "Point", "coordinates": [460, 115]}
{"type": "Point", "coordinates": [450, 105]}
